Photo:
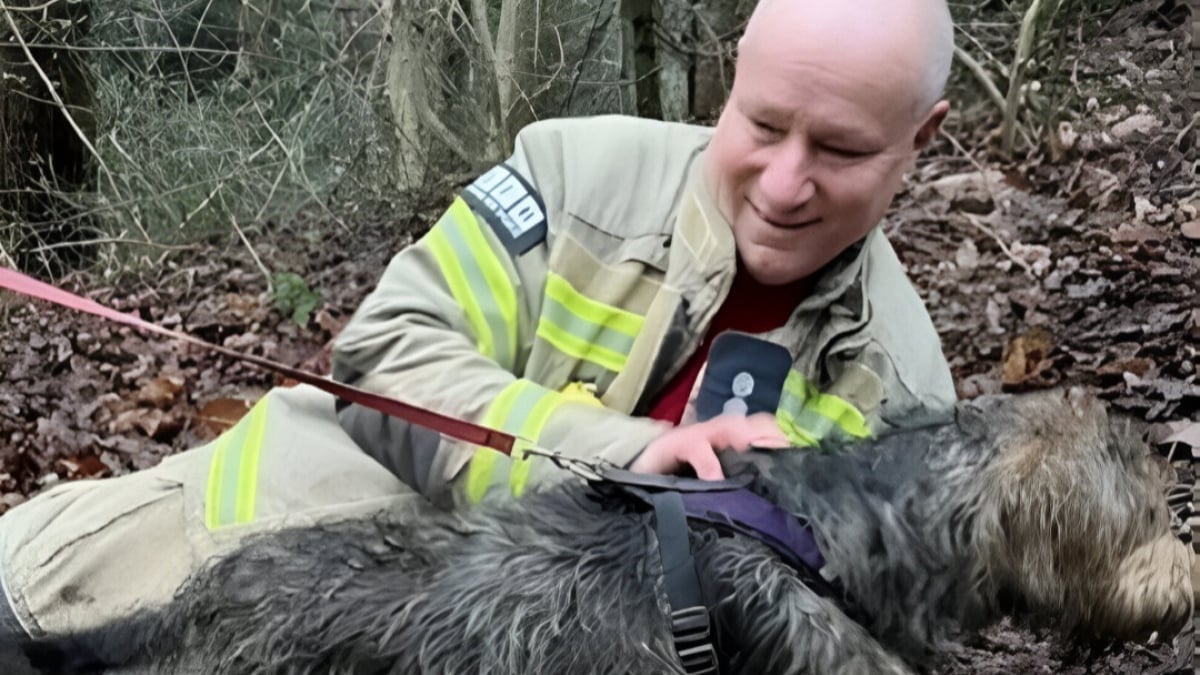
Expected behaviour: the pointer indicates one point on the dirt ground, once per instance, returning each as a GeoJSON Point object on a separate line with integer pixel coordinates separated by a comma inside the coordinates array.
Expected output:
{"type": "Point", "coordinates": [1076, 263]}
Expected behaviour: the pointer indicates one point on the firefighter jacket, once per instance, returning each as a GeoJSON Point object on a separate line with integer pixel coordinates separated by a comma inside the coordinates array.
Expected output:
{"type": "Point", "coordinates": [563, 288]}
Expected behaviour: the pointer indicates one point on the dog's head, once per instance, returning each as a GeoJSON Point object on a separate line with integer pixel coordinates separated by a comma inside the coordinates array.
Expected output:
{"type": "Point", "coordinates": [1073, 518]}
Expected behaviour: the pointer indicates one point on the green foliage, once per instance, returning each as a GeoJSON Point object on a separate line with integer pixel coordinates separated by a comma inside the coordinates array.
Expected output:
{"type": "Point", "coordinates": [211, 111]}
{"type": "Point", "coordinates": [293, 296]}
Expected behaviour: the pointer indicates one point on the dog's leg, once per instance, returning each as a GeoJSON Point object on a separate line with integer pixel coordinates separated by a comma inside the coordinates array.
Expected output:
{"type": "Point", "coordinates": [776, 624]}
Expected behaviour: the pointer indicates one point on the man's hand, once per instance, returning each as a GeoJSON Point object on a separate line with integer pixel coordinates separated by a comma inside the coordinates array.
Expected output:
{"type": "Point", "coordinates": [697, 444]}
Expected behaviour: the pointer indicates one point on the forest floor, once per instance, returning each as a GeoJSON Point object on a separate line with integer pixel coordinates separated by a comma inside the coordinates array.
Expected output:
{"type": "Point", "coordinates": [1073, 264]}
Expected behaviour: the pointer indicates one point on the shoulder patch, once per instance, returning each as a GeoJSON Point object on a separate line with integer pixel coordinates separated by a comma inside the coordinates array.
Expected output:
{"type": "Point", "coordinates": [511, 206]}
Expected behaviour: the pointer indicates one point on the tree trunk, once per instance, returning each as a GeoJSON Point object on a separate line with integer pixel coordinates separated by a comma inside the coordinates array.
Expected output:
{"type": "Point", "coordinates": [674, 66]}
{"type": "Point", "coordinates": [406, 94]}
{"type": "Point", "coordinates": [717, 29]}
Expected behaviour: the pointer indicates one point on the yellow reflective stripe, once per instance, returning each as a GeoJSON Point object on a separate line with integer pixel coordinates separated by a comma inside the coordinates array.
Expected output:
{"type": "Point", "coordinates": [796, 435]}
{"type": "Point", "coordinates": [496, 278]}
{"type": "Point", "coordinates": [572, 345]}
{"type": "Point", "coordinates": [841, 412]}
{"type": "Point", "coordinates": [479, 473]}
{"type": "Point", "coordinates": [531, 428]}
{"type": "Point", "coordinates": [478, 280]}
{"type": "Point", "coordinates": [443, 253]}
{"type": "Point", "coordinates": [586, 329]}
{"type": "Point", "coordinates": [523, 408]}
{"type": "Point", "coordinates": [232, 489]}
{"type": "Point", "coordinates": [812, 414]}
{"type": "Point", "coordinates": [594, 311]}
{"type": "Point", "coordinates": [247, 484]}
{"type": "Point", "coordinates": [216, 470]}
{"type": "Point", "coordinates": [484, 460]}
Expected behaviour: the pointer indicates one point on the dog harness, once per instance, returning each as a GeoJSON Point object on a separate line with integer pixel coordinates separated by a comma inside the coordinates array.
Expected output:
{"type": "Point", "coordinates": [731, 507]}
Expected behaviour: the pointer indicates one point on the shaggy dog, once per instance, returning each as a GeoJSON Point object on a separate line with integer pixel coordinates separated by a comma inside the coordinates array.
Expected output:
{"type": "Point", "coordinates": [1034, 501]}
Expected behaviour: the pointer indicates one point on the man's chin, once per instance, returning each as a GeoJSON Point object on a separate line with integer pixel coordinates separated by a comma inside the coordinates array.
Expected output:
{"type": "Point", "coordinates": [775, 268]}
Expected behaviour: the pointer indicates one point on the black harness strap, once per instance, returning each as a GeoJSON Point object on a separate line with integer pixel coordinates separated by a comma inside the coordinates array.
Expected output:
{"type": "Point", "coordinates": [689, 613]}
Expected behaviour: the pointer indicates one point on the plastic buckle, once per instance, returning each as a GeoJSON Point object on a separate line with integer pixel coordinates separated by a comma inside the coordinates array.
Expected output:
{"type": "Point", "coordinates": [690, 629]}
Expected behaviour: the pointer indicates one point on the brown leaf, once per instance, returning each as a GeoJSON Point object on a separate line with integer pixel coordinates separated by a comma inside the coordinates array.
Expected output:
{"type": "Point", "coordinates": [1114, 371]}
{"type": "Point", "coordinates": [160, 392]}
{"type": "Point", "coordinates": [1026, 357]}
{"type": "Point", "coordinates": [242, 305]}
{"type": "Point", "coordinates": [1127, 233]}
{"type": "Point", "coordinates": [83, 466]}
{"type": "Point", "coordinates": [218, 415]}
{"type": "Point", "coordinates": [1191, 229]}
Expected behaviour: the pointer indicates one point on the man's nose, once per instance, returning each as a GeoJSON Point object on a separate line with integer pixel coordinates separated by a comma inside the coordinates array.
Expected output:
{"type": "Point", "coordinates": [786, 182]}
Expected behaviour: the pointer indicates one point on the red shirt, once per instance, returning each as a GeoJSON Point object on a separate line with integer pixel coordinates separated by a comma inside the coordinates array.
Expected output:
{"type": "Point", "coordinates": [751, 307]}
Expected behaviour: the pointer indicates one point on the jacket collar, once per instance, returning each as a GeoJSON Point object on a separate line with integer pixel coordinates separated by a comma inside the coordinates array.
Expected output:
{"type": "Point", "coordinates": [703, 258]}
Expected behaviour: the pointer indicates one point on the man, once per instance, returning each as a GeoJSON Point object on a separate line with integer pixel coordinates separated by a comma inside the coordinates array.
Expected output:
{"type": "Point", "coordinates": [574, 295]}
{"type": "Point", "coordinates": [614, 249]}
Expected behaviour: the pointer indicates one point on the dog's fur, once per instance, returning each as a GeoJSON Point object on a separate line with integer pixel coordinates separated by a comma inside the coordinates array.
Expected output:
{"type": "Point", "coordinates": [1035, 501]}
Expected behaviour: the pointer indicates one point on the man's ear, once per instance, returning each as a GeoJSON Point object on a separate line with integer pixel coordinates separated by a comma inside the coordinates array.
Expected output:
{"type": "Point", "coordinates": [929, 127]}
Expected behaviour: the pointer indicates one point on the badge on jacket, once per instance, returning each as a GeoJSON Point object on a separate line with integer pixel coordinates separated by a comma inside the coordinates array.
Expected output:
{"type": "Point", "coordinates": [510, 206]}
{"type": "Point", "coordinates": [744, 375]}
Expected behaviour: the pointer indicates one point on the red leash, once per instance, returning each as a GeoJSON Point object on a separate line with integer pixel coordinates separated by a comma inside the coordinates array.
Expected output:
{"type": "Point", "coordinates": [449, 426]}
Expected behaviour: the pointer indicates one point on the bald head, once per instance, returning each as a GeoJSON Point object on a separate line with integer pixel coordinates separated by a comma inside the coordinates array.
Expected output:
{"type": "Point", "coordinates": [831, 102]}
{"type": "Point", "coordinates": [910, 41]}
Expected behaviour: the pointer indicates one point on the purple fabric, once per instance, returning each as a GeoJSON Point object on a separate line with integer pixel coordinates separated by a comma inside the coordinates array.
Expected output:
{"type": "Point", "coordinates": [750, 514]}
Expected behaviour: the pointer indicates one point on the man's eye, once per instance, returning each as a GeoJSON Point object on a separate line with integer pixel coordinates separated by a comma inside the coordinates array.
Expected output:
{"type": "Point", "coordinates": [767, 128]}
{"type": "Point", "coordinates": [848, 153]}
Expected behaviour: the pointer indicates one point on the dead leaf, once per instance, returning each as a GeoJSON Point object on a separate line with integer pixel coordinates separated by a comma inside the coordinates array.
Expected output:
{"type": "Point", "coordinates": [1026, 357]}
{"type": "Point", "coordinates": [242, 305]}
{"type": "Point", "coordinates": [219, 415]}
{"type": "Point", "coordinates": [85, 466]}
{"type": "Point", "coordinates": [970, 192]}
{"type": "Point", "coordinates": [1141, 122]}
{"type": "Point", "coordinates": [967, 255]}
{"type": "Point", "coordinates": [1127, 233]}
{"type": "Point", "coordinates": [1184, 432]}
{"type": "Point", "coordinates": [160, 392]}
{"type": "Point", "coordinates": [1113, 371]}
{"type": "Point", "coordinates": [1191, 229]}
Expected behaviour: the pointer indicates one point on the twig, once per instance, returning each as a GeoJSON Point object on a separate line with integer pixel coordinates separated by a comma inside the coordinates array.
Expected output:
{"type": "Point", "coordinates": [977, 69]}
{"type": "Point", "coordinates": [112, 240]}
{"type": "Point", "coordinates": [62, 107]}
{"type": "Point", "coordinates": [987, 186]}
{"type": "Point", "coordinates": [8, 259]}
{"type": "Point", "coordinates": [159, 48]}
{"type": "Point", "coordinates": [35, 8]}
{"type": "Point", "coordinates": [971, 218]}
{"type": "Point", "coordinates": [1184, 131]}
{"type": "Point", "coordinates": [257, 261]}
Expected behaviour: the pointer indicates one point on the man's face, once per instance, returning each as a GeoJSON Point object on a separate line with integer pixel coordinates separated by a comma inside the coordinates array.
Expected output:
{"type": "Point", "coordinates": [809, 152]}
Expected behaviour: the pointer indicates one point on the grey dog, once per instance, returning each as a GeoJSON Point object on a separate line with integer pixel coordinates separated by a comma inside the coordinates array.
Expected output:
{"type": "Point", "coordinates": [1035, 501]}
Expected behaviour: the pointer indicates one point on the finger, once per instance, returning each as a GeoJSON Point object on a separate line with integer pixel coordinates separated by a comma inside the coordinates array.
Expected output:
{"type": "Point", "coordinates": [766, 432]}
{"type": "Point", "coordinates": [704, 462]}
{"type": "Point", "coordinates": [742, 433]}
{"type": "Point", "coordinates": [770, 444]}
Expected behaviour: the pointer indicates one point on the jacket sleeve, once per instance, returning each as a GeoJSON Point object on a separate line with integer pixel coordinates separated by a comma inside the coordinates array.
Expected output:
{"type": "Point", "coordinates": [903, 347]}
{"type": "Point", "coordinates": [449, 327]}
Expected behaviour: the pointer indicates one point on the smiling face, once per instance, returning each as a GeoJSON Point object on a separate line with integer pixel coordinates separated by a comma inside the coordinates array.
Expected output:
{"type": "Point", "coordinates": [819, 128]}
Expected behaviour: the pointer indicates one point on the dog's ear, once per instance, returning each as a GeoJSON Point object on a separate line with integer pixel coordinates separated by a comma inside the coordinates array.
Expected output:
{"type": "Point", "coordinates": [972, 419]}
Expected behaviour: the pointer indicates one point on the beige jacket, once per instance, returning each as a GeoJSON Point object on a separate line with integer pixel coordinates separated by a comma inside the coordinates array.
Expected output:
{"type": "Point", "coordinates": [593, 261]}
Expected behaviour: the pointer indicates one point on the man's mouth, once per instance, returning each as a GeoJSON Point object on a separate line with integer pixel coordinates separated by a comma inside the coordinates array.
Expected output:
{"type": "Point", "coordinates": [782, 223]}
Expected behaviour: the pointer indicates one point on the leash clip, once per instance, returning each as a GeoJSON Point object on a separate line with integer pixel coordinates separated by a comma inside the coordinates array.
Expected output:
{"type": "Point", "coordinates": [589, 471]}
